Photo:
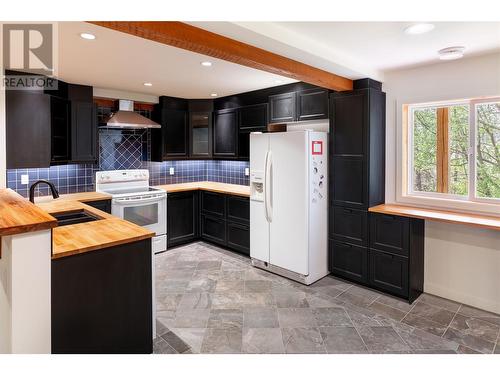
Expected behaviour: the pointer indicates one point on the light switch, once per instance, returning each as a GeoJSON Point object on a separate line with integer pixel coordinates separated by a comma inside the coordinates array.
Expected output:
{"type": "Point", "coordinates": [25, 180]}
{"type": "Point", "coordinates": [247, 171]}
{"type": "Point", "coordinates": [171, 171]}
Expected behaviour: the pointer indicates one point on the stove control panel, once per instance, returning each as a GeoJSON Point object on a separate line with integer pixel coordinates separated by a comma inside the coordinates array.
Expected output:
{"type": "Point", "coordinates": [125, 175]}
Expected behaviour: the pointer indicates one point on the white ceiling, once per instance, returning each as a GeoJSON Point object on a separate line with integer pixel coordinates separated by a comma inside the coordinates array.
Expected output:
{"type": "Point", "coordinates": [119, 61]}
{"type": "Point", "coordinates": [361, 49]}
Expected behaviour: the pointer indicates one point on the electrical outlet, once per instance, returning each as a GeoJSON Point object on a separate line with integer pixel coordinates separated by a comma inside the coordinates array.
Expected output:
{"type": "Point", "coordinates": [25, 180]}
{"type": "Point", "coordinates": [247, 171]}
{"type": "Point", "coordinates": [171, 171]}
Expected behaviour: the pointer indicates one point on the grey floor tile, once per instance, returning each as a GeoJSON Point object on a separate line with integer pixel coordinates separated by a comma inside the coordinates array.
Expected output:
{"type": "Point", "coordinates": [462, 349]}
{"type": "Point", "coordinates": [382, 339]}
{"type": "Point", "coordinates": [331, 291]}
{"type": "Point", "coordinates": [389, 311]}
{"type": "Point", "coordinates": [191, 318]}
{"type": "Point", "coordinates": [357, 298]}
{"type": "Point", "coordinates": [209, 265]}
{"type": "Point", "coordinates": [203, 284]}
{"type": "Point", "coordinates": [160, 328]}
{"type": "Point", "coordinates": [172, 286]}
{"type": "Point", "coordinates": [331, 281]}
{"type": "Point", "coordinates": [225, 318]}
{"type": "Point", "coordinates": [476, 327]}
{"type": "Point", "coordinates": [191, 336]}
{"type": "Point", "coordinates": [168, 301]}
{"type": "Point", "coordinates": [257, 286]}
{"type": "Point", "coordinates": [175, 342]}
{"type": "Point", "coordinates": [262, 341]}
{"type": "Point", "coordinates": [173, 274]}
{"type": "Point", "coordinates": [290, 299]}
{"type": "Point", "coordinates": [166, 317]}
{"type": "Point", "coordinates": [258, 299]}
{"type": "Point", "coordinates": [224, 286]}
{"type": "Point", "coordinates": [395, 303]}
{"type": "Point", "coordinates": [434, 313]}
{"type": "Point", "coordinates": [418, 339]}
{"type": "Point", "coordinates": [470, 341]}
{"type": "Point", "coordinates": [434, 351]}
{"type": "Point", "coordinates": [322, 301]}
{"type": "Point", "coordinates": [425, 324]}
{"type": "Point", "coordinates": [295, 318]}
{"type": "Point", "coordinates": [480, 314]}
{"type": "Point", "coordinates": [260, 317]}
{"type": "Point", "coordinates": [231, 275]}
{"type": "Point", "coordinates": [195, 301]}
{"type": "Point", "coordinates": [227, 300]}
{"type": "Point", "coordinates": [342, 340]}
{"type": "Point", "coordinates": [183, 265]}
{"type": "Point", "coordinates": [331, 317]}
{"type": "Point", "coordinates": [439, 302]}
{"type": "Point", "coordinates": [302, 340]}
{"type": "Point", "coordinates": [497, 349]}
{"type": "Point", "coordinates": [226, 341]}
{"type": "Point", "coordinates": [161, 347]}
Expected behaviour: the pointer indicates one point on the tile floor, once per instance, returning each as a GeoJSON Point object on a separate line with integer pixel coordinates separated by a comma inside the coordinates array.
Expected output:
{"type": "Point", "coordinates": [210, 300]}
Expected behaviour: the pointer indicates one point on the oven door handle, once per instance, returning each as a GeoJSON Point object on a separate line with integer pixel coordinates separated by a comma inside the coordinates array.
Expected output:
{"type": "Point", "coordinates": [135, 201]}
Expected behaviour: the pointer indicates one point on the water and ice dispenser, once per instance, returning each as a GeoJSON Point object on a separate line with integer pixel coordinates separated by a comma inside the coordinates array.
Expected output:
{"type": "Point", "coordinates": [257, 186]}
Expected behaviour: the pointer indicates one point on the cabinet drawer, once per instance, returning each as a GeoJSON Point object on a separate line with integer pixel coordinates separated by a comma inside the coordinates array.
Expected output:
{"type": "Point", "coordinates": [389, 272]}
{"type": "Point", "coordinates": [238, 209]}
{"type": "Point", "coordinates": [213, 203]}
{"type": "Point", "coordinates": [349, 225]}
{"type": "Point", "coordinates": [103, 205]}
{"type": "Point", "coordinates": [349, 261]}
{"type": "Point", "coordinates": [213, 229]}
{"type": "Point", "coordinates": [238, 237]}
{"type": "Point", "coordinates": [389, 233]}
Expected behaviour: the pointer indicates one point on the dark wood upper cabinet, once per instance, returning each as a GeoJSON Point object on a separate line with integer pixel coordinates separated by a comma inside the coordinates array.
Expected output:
{"type": "Point", "coordinates": [171, 141]}
{"type": "Point", "coordinates": [282, 107]}
{"type": "Point", "coordinates": [60, 118]}
{"type": "Point", "coordinates": [200, 134]}
{"type": "Point", "coordinates": [253, 117]}
{"type": "Point", "coordinates": [83, 124]}
{"type": "Point", "coordinates": [312, 104]}
{"type": "Point", "coordinates": [28, 129]}
{"type": "Point", "coordinates": [225, 133]}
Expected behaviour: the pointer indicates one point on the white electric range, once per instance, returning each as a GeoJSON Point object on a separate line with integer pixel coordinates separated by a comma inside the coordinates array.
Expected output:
{"type": "Point", "coordinates": [135, 201]}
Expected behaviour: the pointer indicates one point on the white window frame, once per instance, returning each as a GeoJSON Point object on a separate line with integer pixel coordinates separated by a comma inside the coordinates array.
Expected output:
{"type": "Point", "coordinates": [405, 192]}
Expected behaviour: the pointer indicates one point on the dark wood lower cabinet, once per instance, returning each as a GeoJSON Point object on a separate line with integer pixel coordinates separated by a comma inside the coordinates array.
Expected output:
{"type": "Point", "coordinates": [349, 261]}
{"type": "Point", "coordinates": [103, 205]}
{"type": "Point", "coordinates": [393, 262]}
{"type": "Point", "coordinates": [214, 217]}
{"type": "Point", "coordinates": [213, 229]}
{"type": "Point", "coordinates": [182, 217]}
{"type": "Point", "coordinates": [102, 301]}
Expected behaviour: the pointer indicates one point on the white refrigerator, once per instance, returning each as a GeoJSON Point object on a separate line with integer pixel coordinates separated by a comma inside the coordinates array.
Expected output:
{"type": "Point", "coordinates": [288, 204]}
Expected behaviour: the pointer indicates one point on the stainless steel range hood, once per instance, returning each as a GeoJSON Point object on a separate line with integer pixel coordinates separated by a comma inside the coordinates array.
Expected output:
{"type": "Point", "coordinates": [126, 118]}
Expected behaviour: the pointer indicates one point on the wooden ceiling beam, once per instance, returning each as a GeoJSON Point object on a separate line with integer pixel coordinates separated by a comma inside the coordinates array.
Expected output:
{"type": "Point", "coordinates": [191, 38]}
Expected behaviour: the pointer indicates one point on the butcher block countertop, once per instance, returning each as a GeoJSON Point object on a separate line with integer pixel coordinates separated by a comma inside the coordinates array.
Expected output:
{"type": "Point", "coordinates": [217, 187]}
{"type": "Point", "coordinates": [80, 197]}
{"type": "Point", "coordinates": [95, 235]}
{"type": "Point", "coordinates": [482, 221]}
{"type": "Point", "coordinates": [18, 215]}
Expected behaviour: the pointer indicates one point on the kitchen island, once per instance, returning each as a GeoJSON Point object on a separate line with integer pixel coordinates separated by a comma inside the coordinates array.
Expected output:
{"type": "Point", "coordinates": [101, 282]}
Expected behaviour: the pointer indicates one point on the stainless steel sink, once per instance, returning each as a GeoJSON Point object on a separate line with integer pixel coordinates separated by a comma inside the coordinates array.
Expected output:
{"type": "Point", "coordinates": [74, 218]}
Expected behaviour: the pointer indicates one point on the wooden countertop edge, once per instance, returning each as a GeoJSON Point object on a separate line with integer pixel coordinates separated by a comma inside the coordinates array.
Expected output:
{"type": "Point", "coordinates": [452, 217]}
{"type": "Point", "coordinates": [87, 249]}
{"type": "Point", "coordinates": [36, 218]}
{"type": "Point", "coordinates": [202, 185]}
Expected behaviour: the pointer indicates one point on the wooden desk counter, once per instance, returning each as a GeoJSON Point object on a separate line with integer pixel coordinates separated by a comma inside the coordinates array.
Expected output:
{"type": "Point", "coordinates": [482, 221]}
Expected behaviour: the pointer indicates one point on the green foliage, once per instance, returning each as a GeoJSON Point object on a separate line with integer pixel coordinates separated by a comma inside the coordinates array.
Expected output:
{"type": "Point", "coordinates": [424, 150]}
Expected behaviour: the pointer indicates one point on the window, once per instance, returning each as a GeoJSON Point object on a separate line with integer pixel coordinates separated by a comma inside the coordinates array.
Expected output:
{"type": "Point", "coordinates": [454, 150]}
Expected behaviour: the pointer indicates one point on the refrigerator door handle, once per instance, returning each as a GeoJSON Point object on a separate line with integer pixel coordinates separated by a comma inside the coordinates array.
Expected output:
{"type": "Point", "coordinates": [265, 186]}
{"type": "Point", "coordinates": [269, 186]}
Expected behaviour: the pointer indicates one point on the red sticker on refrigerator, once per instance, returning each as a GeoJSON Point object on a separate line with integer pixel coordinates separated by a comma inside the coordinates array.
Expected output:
{"type": "Point", "coordinates": [317, 147]}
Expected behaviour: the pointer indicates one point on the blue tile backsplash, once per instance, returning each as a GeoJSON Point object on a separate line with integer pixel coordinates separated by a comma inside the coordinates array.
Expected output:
{"type": "Point", "coordinates": [128, 149]}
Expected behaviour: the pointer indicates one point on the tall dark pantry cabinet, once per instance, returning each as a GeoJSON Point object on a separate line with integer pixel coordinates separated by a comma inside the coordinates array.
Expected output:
{"type": "Point", "coordinates": [383, 252]}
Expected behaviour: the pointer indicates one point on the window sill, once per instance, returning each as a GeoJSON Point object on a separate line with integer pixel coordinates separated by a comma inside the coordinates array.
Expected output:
{"type": "Point", "coordinates": [462, 206]}
{"type": "Point", "coordinates": [482, 221]}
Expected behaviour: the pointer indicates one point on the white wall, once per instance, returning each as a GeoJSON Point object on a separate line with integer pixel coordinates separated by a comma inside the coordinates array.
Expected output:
{"type": "Point", "coordinates": [461, 262]}
{"type": "Point", "coordinates": [3, 172]}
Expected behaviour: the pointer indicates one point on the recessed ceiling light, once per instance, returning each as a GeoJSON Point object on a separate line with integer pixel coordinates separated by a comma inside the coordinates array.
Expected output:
{"type": "Point", "coordinates": [206, 63]}
{"type": "Point", "coordinates": [149, 84]}
{"type": "Point", "coordinates": [451, 53]}
{"type": "Point", "coordinates": [419, 28]}
{"type": "Point", "coordinates": [213, 94]}
{"type": "Point", "coordinates": [87, 36]}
